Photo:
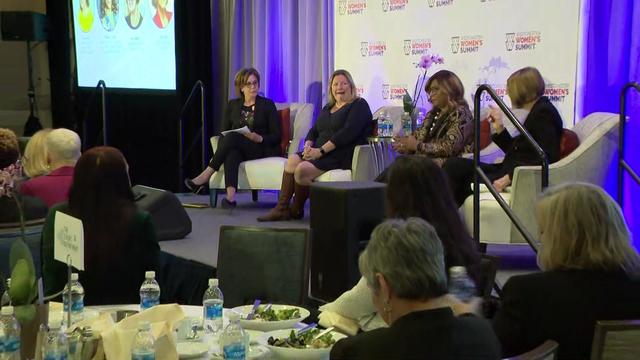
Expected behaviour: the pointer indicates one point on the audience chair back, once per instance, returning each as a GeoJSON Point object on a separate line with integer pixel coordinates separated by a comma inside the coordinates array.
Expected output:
{"type": "Point", "coordinates": [546, 351]}
{"type": "Point", "coordinates": [33, 232]}
{"type": "Point", "coordinates": [269, 264]}
{"type": "Point", "coordinates": [616, 339]}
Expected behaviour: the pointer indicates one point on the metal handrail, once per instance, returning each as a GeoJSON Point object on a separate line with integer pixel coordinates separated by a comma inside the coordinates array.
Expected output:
{"type": "Point", "coordinates": [622, 164]}
{"type": "Point", "coordinates": [480, 174]}
{"type": "Point", "coordinates": [199, 85]}
{"type": "Point", "coordinates": [101, 85]}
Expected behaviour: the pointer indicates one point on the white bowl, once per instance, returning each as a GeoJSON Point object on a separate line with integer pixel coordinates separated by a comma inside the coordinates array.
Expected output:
{"type": "Point", "coordinates": [297, 354]}
{"type": "Point", "coordinates": [263, 325]}
{"type": "Point", "coordinates": [256, 352]}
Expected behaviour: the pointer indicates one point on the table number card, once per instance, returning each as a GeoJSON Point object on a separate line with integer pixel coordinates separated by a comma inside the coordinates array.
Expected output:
{"type": "Point", "coordinates": [68, 240]}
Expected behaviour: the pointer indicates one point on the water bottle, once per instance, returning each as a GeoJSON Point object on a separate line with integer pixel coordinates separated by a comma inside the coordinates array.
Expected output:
{"type": "Point", "coordinates": [419, 119]}
{"type": "Point", "coordinates": [77, 299]}
{"type": "Point", "coordinates": [6, 299]}
{"type": "Point", "coordinates": [212, 303]}
{"type": "Point", "coordinates": [149, 291]}
{"type": "Point", "coordinates": [389, 125]}
{"type": "Point", "coordinates": [406, 124]}
{"type": "Point", "coordinates": [233, 339]}
{"type": "Point", "coordinates": [9, 335]}
{"type": "Point", "coordinates": [144, 344]}
{"type": "Point", "coordinates": [460, 285]}
{"type": "Point", "coordinates": [56, 345]}
{"type": "Point", "coordinates": [381, 123]}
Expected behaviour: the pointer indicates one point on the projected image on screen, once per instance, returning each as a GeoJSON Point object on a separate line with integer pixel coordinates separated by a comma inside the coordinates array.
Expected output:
{"type": "Point", "coordinates": [127, 43]}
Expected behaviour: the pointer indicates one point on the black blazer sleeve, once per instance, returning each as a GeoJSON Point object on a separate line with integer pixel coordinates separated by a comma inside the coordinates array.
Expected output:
{"type": "Point", "coordinates": [358, 119]}
{"type": "Point", "coordinates": [273, 134]}
{"type": "Point", "coordinates": [226, 120]}
{"type": "Point", "coordinates": [510, 321]}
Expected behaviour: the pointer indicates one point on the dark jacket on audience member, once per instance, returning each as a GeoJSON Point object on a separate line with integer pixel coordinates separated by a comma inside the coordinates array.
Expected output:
{"type": "Point", "coordinates": [545, 126]}
{"type": "Point", "coordinates": [563, 305]}
{"type": "Point", "coordinates": [429, 334]}
{"type": "Point", "coordinates": [266, 122]}
{"type": "Point", "coordinates": [121, 283]}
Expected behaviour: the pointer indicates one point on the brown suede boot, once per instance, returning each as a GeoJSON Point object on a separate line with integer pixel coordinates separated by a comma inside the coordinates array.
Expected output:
{"type": "Point", "coordinates": [281, 211]}
{"type": "Point", "coordinates": [301, 195]}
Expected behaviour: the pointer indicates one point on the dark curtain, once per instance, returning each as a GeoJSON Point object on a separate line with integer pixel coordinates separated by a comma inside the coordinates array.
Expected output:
{"type": "Point", "coordinates": [59, 48]}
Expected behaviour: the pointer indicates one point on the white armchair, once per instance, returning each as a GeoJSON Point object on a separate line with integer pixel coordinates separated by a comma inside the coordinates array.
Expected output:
{"type": "Point", "coordinates": [266, 173]}
{"type": "Point", "coordinates": [593, 161]}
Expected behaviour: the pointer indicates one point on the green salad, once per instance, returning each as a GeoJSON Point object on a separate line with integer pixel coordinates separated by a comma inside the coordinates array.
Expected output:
{"type": "Point", "coordinates": [269, 314]}
{"type": "Point", "coordinates": [303, 341]}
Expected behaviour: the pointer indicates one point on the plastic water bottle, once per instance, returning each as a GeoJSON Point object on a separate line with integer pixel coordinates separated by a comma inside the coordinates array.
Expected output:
{"type": "Point", "coordinates": [6, 299]}
{"type": "Point", "coordinates": [460, 284]}
{"type": "Point", "coordinates": [77, 299]}
{"type": "Point", "coordinates": [233, 339]}
{"type": "Point", "coordinates": [144, 344]}
{"type": "Point", "coordinates": [212, 304]}
{"type": "Point", "coordinates": [56, 345]}
{"type": "Point", "coordinates": [419, 119]}
{"type": "Point", "coordinates": [149, 291]}
{"type": "Point", "coordinates": [406, 124]}
{"type": "Point", "coordinates": [381, 123]}
{"type": "Point", "coordinates": [9, 335]}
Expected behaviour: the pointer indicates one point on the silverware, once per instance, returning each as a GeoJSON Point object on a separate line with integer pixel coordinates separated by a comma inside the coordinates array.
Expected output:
{"type": "Point", "coordinates": [324, 332]}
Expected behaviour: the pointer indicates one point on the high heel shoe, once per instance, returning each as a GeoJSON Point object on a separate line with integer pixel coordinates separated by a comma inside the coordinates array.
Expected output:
{"type": "Point", "coordinates": [226, 204]}
{"type": "Point", "coordinates": [193, 187]}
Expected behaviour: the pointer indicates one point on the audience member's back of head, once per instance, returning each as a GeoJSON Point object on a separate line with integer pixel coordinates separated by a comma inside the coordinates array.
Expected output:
{"type": "Point", "coordinates": [582, 227]}
{"type": "Point", "coordinates": [9, 148]}
{"type": "Point", "coordinates": [418, 187]}
{"type": "Point", "coordinates": [35, 160]}
{"type": "Point", "coordinates": [63, 147]}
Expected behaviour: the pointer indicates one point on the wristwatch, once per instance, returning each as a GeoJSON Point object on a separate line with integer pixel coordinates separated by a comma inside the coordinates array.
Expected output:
{"type": "Point", "coordinates": [322, 151]}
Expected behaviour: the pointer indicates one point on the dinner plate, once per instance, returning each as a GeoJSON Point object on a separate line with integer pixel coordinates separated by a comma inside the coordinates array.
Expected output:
{"type": "Point", "coordinates": [293, 353]}
{"type": "Point", "coordinates": [263, 325]}
{"type": "Point", "coordinates": [190, 350]}
{"type": "Point", "coordinates": [256, 352]}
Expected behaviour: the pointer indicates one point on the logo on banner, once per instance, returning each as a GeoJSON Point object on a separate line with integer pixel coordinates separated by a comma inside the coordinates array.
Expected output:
{"type": "Point", "coordinates": [373, 48]}
{"type": "Point", "coordinates": [522, 41]}
{"type": "Point", "coordinates": [394, 5]}
{"type": "Point", "coordinates": [556, 92]}
{"type": "Point", "coordinates": [466, 44]}
{"type": "Point", "coordinates": [417, 46]}
{"type": "Point", "coordinates": [386, 90]}
{"type": "Point", "coordinates": [499, 89]}
{"type": "Point", "coordinates": [439, 3]}
{"type": "Point", "coordinates": [393, 92]}
{"type": "Point", "coordinates": [352, 7]}
{"type": "Point", "coordinates": [359, 90]}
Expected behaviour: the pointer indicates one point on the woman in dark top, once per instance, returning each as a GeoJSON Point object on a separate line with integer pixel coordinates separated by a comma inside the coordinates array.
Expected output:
{"type": "Point", "coordinates": [120, 240]}
{"type": "Point", "coordinates": [341, 125]}
{"type": "Point", "coordinates": [526, 89]}
{"type": "Point", "coordinates": [448, 126]}
{"type": "Point", "coordinates": [263, 139]}
{"type": "Point", "coordinates": [590, 272]}
{"type": "Point", "coordinates": [403, 265]}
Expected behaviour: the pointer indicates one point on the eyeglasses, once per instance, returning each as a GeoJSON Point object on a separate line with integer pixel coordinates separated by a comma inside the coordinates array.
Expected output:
{"type": "Point", "coordinates": [252, 84]}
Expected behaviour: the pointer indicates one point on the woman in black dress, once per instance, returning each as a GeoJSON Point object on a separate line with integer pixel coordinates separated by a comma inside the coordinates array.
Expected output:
{"type": "Point", "coordinates": [263, 139]}
{"type": "Point", "coordinates": [343, 123]}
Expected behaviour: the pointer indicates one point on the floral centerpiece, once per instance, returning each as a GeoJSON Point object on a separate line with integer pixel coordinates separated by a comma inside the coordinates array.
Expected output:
{"type": "Point", "coordinates": [426, 61]}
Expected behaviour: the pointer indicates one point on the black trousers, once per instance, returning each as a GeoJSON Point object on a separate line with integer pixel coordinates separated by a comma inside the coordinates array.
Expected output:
{"type": "Point", "coordinates": [233, 149]}
{"type": "Point", "coordinates": [460, 172]}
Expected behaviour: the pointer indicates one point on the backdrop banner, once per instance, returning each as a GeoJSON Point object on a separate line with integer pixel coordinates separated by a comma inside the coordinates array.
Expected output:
{"type": "Point", "coordinates": [483, 41]}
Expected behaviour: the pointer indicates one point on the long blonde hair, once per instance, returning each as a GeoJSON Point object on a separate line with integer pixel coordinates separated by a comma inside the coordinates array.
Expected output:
{"type": "Point", "coordinates": [35, 160]}
{"type": "Point", "coordinates": [583, 228]}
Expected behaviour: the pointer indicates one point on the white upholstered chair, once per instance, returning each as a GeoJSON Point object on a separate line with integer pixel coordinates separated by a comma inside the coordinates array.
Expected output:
{"type": "Point", "coordinates": [593, 161]}
{"type": "Point", "coordinates": [266, 173]}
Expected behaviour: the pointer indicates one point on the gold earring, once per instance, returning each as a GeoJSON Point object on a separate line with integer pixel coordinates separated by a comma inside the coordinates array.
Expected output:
{"type": "Point", "coordinates": [387, 306]}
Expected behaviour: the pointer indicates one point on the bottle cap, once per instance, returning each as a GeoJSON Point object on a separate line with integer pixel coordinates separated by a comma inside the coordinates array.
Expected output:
{"type": "Point", "coordinates": [144, 325]}
{"type": "Point", "coordinates": [150, 275]}
{"type": "Point", "coordinates": [8, 282]}
{"type": "Point", "coordinates": [213, 282]}
{"type": "Point", "coordinates": [7, 310]}
{"type": "Point", "coordinates": [74, 276]}
{"type": "Point", "coordinates": [457, 270]}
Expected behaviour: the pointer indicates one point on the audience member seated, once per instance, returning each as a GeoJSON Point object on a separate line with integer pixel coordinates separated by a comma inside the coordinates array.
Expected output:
{"type": "Point", "coordinates": [417, 188]}
{"type": "Point", "coordinates": [404, 269]}
{"type": "Point", "coordinates": [11, 202]}
{"type": "Point", "coordinates": [448, 126]}
{"type": "Point", "coordinates": [34, 161]}
{"type": "Point", "coordinates": [120, 240]}
{"type": "Point", "coordinates": [63, 150]}
{"type": "Point", "coordinates": [342, 124]}
{"type": "Point", "coordinates": [525, 88]}
{"type": "Point", "coordinates": [590, 273]}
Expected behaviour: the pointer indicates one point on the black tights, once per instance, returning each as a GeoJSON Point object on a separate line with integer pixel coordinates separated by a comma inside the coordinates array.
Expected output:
{"type": "Point", "coordinates": [233, 149]}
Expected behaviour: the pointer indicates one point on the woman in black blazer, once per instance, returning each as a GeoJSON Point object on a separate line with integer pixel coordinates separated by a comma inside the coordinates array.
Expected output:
{"type": "Point", "coordinates": [590, 273]}
{"type": "Point", "coordinates": [263, 139]}
{"type": "Point", "coordinates": [526, 89]}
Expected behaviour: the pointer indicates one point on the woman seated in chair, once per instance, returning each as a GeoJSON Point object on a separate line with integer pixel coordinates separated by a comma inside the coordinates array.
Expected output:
{"type": "Point", "coordinates": [417, 188]}
{"type": "Point", "coordinates": [120, 240]}
{"type": "Point", "coordinates": [342, 124]}
{"type": "Point", "coordinates": [448, 126]}
{"type": "Point", "coordinates": [259, 115]}
{"type": "Point", "coordinates": [404, 270]}
{"type": "Point", "coordinates": [590, 272]}
{"type": "Point", "coordinates": [35, 160]}
{"type": "Point", "coordinates": [526, 89]}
